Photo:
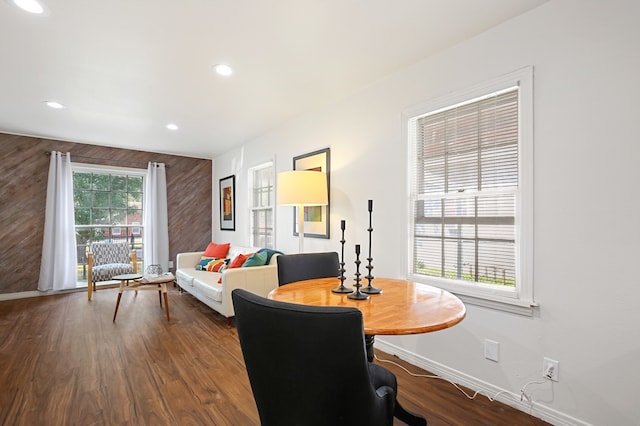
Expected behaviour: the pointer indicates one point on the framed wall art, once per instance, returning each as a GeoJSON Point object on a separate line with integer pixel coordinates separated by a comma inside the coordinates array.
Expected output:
{"type": "Point", "coordinates": [316, 218]}
{"type": "Point", "coordinates": [228, 203]}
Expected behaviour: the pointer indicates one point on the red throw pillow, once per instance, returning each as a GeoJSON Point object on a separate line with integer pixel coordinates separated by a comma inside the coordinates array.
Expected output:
{"type": "Point", "coordinates": [239, 260]}
{"type": "Point", "coordinates": [218, 251]}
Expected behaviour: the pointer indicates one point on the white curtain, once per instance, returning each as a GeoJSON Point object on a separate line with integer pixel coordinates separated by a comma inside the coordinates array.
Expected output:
{"type": "Point", "coordinates": [59, 263]}
{"type": "Point", "coordinates": [156, 228]}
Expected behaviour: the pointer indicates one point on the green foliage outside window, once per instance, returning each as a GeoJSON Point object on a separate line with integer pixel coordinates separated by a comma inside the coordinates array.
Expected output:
{"type": "Point", "coordinates": [107, 200]}
{"type": "Point", "coordinates": [493, 276]}
{"type": "Point", "coordinates": [107, 206]}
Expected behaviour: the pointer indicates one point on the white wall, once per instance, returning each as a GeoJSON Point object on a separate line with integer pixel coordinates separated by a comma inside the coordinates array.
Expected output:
{"type": "Point", "coordinates": [586, 59]}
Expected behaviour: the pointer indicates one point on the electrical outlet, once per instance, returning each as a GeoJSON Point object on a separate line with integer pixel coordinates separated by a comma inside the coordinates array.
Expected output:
{"type": "Point", "coordinates": [550, 369]}
{"type": "Point", "coordinates": [171, 264]}
{"type": "Point", "coordinates": [491, 349]}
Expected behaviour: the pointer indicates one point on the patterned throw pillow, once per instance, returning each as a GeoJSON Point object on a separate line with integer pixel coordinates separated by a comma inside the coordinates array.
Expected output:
{"type": "Point", "coordinates": [204, 261]}
{"type": "Point", "coordinates": [215, 265]}
{"type": "Point", "coordinates": [210, 264]}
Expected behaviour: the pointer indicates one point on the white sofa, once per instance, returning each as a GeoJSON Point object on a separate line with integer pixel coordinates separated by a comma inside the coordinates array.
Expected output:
{"type": "Point", "coordinates": [205, 287]}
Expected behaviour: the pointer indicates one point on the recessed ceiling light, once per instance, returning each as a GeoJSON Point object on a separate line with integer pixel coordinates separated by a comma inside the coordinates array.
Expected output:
{"type": "Point", "coordinates": [54, 104]}
{"type": "Point", "coordinates": [31, 6]}
{"type": "Point", "coordinates": [223, 69]}
{"type": "Point", "coordinates": [172, 126]}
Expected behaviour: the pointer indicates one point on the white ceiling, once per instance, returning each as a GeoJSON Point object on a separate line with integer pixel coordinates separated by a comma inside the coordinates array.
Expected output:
{"type": "Point", "coordinates": [126, 68]}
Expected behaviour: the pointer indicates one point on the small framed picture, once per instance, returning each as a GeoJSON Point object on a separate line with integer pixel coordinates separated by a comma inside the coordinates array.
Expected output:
{"type": "Point", "coordinates": [316, 218]}
{"type": "Point", "coordinates": [228, 203]}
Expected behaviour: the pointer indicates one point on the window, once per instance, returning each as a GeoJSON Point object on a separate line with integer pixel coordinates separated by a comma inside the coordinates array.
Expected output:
{"type": "Point", "coordinates": [108, 207]}
{"type": "Point", "coordinates": [261, 179]}
{"type": "Point", "coordinates": [470, 197]}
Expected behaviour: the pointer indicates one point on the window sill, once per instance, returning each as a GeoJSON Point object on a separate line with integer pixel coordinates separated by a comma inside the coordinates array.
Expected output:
{"type": "Point", "coordinates": [512, 306]}
{"type": "Point", "coordinates": [498, 300]}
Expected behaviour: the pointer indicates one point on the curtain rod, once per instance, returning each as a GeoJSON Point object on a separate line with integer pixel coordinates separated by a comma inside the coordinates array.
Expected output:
{"type": "Point", "coordinates": [48, 153]}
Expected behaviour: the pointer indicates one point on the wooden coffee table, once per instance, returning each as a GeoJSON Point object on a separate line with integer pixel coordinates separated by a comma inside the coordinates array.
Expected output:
{"type": "Point", "coordinates": [139, 282]}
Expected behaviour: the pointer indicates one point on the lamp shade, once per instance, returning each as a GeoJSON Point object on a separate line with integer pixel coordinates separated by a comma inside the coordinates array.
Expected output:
{"type": "Point", "coordinates": [302, 188]}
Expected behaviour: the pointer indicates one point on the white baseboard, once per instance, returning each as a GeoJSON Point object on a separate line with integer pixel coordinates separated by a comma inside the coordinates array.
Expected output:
{"type": "Point", "coordinates": [22, 295]}
{"type": "Point", "coordinates": [507, 397]}
{"type": "Point", "coordinates": [38, 293]}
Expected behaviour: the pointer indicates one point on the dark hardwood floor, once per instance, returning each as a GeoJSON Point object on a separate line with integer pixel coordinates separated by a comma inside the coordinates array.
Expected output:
{"type": "Point", "coordinates": [64, 362]}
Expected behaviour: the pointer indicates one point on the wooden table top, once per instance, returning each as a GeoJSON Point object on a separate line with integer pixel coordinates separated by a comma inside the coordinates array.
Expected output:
{"type": "Point", "coordinates": [127, 277]}
{"type": "Point", "coordinates": [404, 307]}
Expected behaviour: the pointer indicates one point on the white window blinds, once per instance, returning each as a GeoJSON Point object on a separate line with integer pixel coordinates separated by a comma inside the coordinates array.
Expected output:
{"type": "Point", "coordinates": [262, 193]}
{"type": "Point", "coordinates": [465, 191]}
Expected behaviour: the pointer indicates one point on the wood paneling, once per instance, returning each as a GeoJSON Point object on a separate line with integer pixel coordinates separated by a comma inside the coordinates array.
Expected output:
{"type": "Point", "coordinates": [24, 169]}
{"type": "Point", "coordinates": [64, 362]}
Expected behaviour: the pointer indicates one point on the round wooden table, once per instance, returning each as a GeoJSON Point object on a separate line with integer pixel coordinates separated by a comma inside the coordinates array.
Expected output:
{"type": "Point", "coordinates": [403, 307]}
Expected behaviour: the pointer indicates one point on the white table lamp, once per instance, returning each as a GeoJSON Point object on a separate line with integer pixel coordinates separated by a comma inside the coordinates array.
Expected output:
{"type": "Point", "coordinates": [301, 188]}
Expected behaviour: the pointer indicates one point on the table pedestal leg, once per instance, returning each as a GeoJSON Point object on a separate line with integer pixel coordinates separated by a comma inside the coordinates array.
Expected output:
{"type": "Point", "coordinates": [412, 419]}
{"type": "Point", "coordinates": [400, 413]}
{"type": "Point", "coordinates": [368, 342]}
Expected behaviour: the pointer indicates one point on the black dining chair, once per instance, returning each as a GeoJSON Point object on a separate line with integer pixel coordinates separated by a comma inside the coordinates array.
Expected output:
{"type": "Point", "coordinates": [307, 266]}
{"type": "Point", "coordinates": [307, 364]}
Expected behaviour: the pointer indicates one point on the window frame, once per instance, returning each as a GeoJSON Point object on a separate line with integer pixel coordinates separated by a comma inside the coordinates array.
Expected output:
{"type": "Point", "coordinates": [519, 299]}
{"type": "Point", "coordinates": [101, 169]}
{"type": "Point", "coordinates": [253, 209]}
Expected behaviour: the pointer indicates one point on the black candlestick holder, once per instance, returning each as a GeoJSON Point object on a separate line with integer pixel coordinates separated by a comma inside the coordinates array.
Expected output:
{"type": "Point", "coordinates": [369, 289]}
{"type": "Point", "coordinates": [342, 289]}
{"type": "Point", "coordinates": [357, 295]}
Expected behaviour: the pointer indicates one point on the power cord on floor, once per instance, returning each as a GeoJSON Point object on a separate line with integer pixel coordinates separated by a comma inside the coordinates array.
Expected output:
{"type": "Point", "coordinates": [523, 394]}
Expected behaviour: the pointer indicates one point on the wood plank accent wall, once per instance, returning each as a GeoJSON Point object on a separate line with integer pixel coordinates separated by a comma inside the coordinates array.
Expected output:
{"type": "Point", "coordinates": [24, 169]}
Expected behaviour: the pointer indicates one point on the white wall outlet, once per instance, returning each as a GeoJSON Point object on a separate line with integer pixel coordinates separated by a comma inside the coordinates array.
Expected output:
{"type": "Point", "coordinates": [171, 264]}
{"type": "Point", "coordinates": [550, 369]}
{"type": "Point", "coordinates": [491, 350]}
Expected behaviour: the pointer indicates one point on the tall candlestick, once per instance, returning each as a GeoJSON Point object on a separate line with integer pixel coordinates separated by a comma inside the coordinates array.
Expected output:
{"type": "Point", "coordinates": [369, 289]}
{"type": "Point", "coordinates": [357, 295]}
{"type": "Point", "coordinates": [341, 288]}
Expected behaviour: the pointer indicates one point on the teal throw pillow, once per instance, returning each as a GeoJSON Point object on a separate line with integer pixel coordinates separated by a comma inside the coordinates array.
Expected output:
{"type": "Point", "coordinates": [270, 253]}
{"type": "Point", "coordinates": [256, 259]}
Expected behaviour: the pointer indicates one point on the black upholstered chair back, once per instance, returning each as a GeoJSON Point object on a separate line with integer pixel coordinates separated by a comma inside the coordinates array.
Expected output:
{"type": "Point", "coordinates": [307, 364]}
{"type": "Point", "coordinates": [307, 266]}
